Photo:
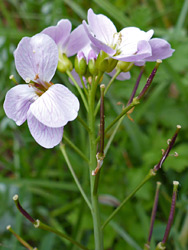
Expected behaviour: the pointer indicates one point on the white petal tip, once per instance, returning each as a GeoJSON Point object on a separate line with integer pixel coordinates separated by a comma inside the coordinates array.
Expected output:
{"type": "Point", "coordinates": [179, 126]}
{"type": "Point", "coordinates": [8, 227]}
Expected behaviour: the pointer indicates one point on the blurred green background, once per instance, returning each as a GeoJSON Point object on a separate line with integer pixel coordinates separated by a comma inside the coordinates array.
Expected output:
{"type": "Point", "coordinates": [41, 177]}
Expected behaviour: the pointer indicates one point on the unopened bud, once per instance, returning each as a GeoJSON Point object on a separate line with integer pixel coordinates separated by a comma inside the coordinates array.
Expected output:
{"type": "Point", "coordinates": [64, 63]}
{"type": "Point", "coordinates": [111, 64]}
{"type": "Point", "coordinates": [80, 64]}
{"type": "Point", "coordinates": [92, 62]}
{"type": "Point", "coordinates": [124, 66]}
{"type": "Point", "coordinates": [102, 61]}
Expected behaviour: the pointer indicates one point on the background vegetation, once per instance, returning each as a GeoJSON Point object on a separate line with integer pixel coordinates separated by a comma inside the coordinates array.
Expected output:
{"type": "Point", "coordinates": [41, 177]}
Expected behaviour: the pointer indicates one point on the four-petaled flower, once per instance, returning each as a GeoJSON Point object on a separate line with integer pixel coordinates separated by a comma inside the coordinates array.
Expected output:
{"type": "Point", "coordinates": [69, 43]}
{"type": "Point", "coordinates": [46, 106]}
{"type": "Point", "coordinates": [130, 44]}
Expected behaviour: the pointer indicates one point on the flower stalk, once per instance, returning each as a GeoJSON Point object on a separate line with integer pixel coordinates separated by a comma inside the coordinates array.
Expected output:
{"type": "Point", "coordinates": [20, 239]}
{"type": "Point", "coordinates": [153, 215]}
{"type": "Point", "coordinates": [162, 245]}
{"type": "Point", "coordinates": [62, 148]}
{"type": "Point", "coordinates": [92, 166]}
{"type": "Point", "coordinates": [147, 178]}
{"type": "Point", "coordinates": [38, 224]}
{"type": "Point", "coordinates": [150, 79]}
{"type": "Point", "coordinates": [168, 149]}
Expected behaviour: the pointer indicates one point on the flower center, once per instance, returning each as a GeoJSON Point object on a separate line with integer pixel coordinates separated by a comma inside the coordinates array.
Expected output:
{"type": "Point", "coordinates": [39, 86]}
{"type": "Point", "coordinates": [116, 42]}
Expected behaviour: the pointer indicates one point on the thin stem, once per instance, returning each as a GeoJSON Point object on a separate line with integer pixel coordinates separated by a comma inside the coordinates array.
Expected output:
{"type": "Point", "coordinates": [168, 149]}
{"type": "Point", "coordinates": [39, 224]}
{"type": "Point", "coordinates": [147, 177]}
{"type": "Point", "coordinates": [172, 211]}
{"type": "Point", "coordinates": [107, 88]}
{"type": "Point", "coordinates": [20, 239]}
{"type": "Point", "coordinates": [123, 112]}
{"type": "Point", "coordinates": [113, 135]}
{"type": "Point", "coordinates": [78, 88]}
{"type": "Point", "coordinates": [100, 154]}
{"type": "Point", "coordinates": [22, 211]}
{"type": "Point", "coordinates": [101, 133]}
{"type": "Point", "coordinates": [182, 16]}
{"type": "Point", "coordinates": [136, 86]}
{"type": "Point", "coordinates": [150, 79]}
{"type": "Point", "coordinates": [83, 85]}
{"type": "Point", "coordinates": [83, 123]}
{"type": "Point", "coordinates": [76, 149]}
{"type": "Point", "coordinates": [153, 215]}
{"type": "Point", "coordinates": [92, 142]}
{"type": "Point", "coordinates": [62, 148]}
{"type": "Point", "coordinates": [121, 119]}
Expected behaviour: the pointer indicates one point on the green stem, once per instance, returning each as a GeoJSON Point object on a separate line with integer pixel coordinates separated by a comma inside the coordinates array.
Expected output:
{"type": "Point", "coordinates": [20, 239]}
{"type": "Point", "coordinates": [83, 123]}
{"type": "Point", "coordinates": [76, 149]}
{"type": "Point", "coordinates": [78, 88]}
{"type": "Point", "coordinates": [83, 85]}
{"type": "Point", "coordinates": [147, 177]}
{"type": "Point", "coordinates": [113, 135]}
{"type": "Point", "coordinates": [62, 148]}
{"type": "Point", "coordinates": [94, 197]}
{"type": "Point", "coordinates": [107, 88]}
{"type": "Point", "coordinates": [122, 114]}
{"type": "Point", "coordinates": [39, 224]}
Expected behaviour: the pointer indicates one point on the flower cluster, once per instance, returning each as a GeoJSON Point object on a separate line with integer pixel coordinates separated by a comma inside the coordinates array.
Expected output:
{"type": "Point", "coordinates": [98, 47]}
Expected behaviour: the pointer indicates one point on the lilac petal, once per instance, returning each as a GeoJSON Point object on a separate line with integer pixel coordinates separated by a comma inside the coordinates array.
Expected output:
{"type": "Point", "coordinates": [130, 39]}
{"type": "Point", "coordinates": [17, 102]}
{"type": "Point", "coordinates": [56, 106]}
{"type": "Point", "coordinates": [59, 33]}
{"type": "Point", "coordinates": [143, 51]}
{"type": "Point", "coordinates": [77, 79]}
{"type": "Point", "coordinates": [45, 136]}
{"type": "Point", "coordinates": [36, 57]}
{"type": "Point", "coordinates": [122, 76]}
{"type": "Point", "coordinates": [161, 49]}
{"type": "Point", "coordinates": [97, 42]}
{"type": "Point", "coordinates": [102, 27]}
{"type": "Point", "coordinates": [78, 40]}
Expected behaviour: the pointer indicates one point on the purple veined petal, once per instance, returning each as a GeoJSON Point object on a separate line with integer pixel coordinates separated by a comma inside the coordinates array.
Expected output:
{"type": "Point", "coordinates": [77, 41]}
{"type": "Point", "coordinates": [97, 42]}
{"type": "Point", "coordinates": [59, 33]}
{"type": "Point", "coordinates": [77, 79]}
{"type": "Point", "coordinates": [57, 106]}
{"type": "Point", "coordinates": [17, 102]}
{"type": "Point", "coordinates": [130, 38]}
{"type": "Point", "coordinates": [45, 136]}
{"type": "Point", "coordinates": [36, 56]}
{"type": "Point", "coordinates": [122, 76]}
{"type": "Point", "coordinates": [161, 49]}
{"type": "Point", "coordinates": [102, 27]}
{"type": "Point", "coordinates": [143, 51]}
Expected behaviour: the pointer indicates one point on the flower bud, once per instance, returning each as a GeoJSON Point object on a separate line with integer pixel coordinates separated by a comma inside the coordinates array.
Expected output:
{"type": "Point", "coordinates": [111, 65]}
{"type": "Point", "coordinates": [80, 63]}
{"type": "Point", "coordinates": [92, 62]}
{"type": "Point", "coordinates": [102, 61]}
{"type": "Point", "coordinates": [124, 66]}
{"type": "Point", "coordinates": [64, 63]}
